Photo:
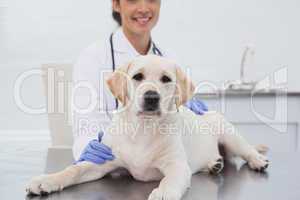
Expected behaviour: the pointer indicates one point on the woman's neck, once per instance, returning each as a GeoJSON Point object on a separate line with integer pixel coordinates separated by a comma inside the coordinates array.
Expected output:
{"type": "Point", "coordinates": [141, 43]}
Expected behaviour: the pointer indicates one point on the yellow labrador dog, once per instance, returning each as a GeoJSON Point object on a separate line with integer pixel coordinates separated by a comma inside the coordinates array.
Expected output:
{"type": "Point", "coordinates": [155, 138]}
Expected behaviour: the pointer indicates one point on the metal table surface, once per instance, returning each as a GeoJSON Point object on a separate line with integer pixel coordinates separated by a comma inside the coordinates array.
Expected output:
{"type": "Point", "coordinates": [235, 182]}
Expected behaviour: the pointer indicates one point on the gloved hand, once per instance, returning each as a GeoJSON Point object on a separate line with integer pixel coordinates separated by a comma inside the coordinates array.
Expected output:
{"type": "Point", "coordinates": [96, 152]}
{"type": "Point", "coordinates": [197, 106]}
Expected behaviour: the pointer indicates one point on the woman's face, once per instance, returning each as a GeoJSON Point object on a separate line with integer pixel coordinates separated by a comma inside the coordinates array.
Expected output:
{"type": "Point", "coordinates": [138, 16]}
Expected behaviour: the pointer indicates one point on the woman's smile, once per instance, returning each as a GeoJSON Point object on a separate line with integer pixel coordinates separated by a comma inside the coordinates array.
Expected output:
{"type": "Point", "coordinates": [137, 17]}
{"type": "Point", "coordinates": [142, 21]}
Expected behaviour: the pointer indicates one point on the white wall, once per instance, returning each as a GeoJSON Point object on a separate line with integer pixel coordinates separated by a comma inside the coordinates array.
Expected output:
{"type": "Point", "coordinates": [209, 36]}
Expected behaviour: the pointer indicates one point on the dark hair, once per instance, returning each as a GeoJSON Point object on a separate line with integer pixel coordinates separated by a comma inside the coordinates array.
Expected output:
{"type": "Point", "coordinates": [116, 16]}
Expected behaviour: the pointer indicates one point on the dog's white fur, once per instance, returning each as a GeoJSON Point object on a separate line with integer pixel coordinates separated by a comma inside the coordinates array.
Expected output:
{"type": "Point", "coordinates": [166, 145]}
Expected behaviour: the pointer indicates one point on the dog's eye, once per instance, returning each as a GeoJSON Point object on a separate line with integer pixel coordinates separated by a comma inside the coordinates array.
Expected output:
{"type": "Point", "coordinates": [138, 77]}
{"type": "Point", "coordinates": [165, 79]}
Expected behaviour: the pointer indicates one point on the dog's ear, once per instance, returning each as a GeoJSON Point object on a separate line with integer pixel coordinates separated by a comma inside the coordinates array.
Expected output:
{"type": "Point", "coordinates": [184, 87]}
{"type": "Point", "coordinates": [117, 83]}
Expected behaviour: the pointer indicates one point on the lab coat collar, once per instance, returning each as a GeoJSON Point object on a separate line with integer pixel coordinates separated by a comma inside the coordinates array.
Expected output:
{"type": "Point", "coordinates": [122, 44]}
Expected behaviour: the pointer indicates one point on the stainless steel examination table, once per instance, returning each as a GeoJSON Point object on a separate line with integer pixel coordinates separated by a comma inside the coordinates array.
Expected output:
{"type": "Point", "coordinates": [235, 182]}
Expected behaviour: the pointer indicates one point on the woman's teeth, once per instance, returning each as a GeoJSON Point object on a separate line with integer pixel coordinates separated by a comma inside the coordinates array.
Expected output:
{"type": "Point", "coordinates": [142, 20]}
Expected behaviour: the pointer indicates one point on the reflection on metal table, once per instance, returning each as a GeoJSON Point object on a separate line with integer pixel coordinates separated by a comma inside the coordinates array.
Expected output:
{"type": "Point", "coordinates": [281, 181]}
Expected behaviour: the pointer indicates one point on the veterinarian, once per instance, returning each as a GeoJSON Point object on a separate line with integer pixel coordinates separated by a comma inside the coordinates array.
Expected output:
{"type": "Point", "coordinates": [136, 19]}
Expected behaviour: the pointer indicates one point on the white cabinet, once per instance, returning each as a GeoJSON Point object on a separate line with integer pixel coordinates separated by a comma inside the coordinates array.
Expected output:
{"type": "Point", "coordinates": [263, 118]}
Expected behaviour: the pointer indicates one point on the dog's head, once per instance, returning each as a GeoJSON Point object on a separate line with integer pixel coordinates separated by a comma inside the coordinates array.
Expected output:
{"type": "Point", "coordinates": [150, 86]}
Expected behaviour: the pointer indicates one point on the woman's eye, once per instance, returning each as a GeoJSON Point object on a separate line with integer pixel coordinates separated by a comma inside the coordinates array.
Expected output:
{"type": "Point", "coordinates": [165, 79]}
{"type": "Point", "coordinates": [138, 77]}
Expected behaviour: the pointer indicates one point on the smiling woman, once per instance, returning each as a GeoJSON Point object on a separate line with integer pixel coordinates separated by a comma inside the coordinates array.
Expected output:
{"type": "Point", "coordinates": [137, 19]}
{"type": "Point", "coordinates": [133, 38]}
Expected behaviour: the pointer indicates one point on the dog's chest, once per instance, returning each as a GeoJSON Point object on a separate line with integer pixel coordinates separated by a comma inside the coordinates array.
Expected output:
{"type": "Point", "coordinates": [143, 170]}
{"type": "Point", "coordinates": [139, 162]}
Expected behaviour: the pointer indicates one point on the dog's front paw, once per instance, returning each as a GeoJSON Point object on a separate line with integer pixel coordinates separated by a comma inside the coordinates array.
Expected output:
{"type": "Point", "coordinates": [43, 185]}
{"type": "Point", "coordinates": [215, 167]}
{"type": "Point", "coordinates": [258, 162]}
{"type": "Point", "coordinates": [164, 194]}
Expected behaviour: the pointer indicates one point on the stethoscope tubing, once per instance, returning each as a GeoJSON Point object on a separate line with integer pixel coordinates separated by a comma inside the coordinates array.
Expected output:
{"type": "Point", "coordinates": [155, 50]}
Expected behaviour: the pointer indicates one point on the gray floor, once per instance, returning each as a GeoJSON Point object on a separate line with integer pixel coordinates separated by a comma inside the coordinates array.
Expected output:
{"type": "Point", "coordinates": [236, 182]}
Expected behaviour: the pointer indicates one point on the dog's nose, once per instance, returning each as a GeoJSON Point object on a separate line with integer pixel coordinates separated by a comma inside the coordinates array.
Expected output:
{"type": "Point", "coordinates": [151, 100]}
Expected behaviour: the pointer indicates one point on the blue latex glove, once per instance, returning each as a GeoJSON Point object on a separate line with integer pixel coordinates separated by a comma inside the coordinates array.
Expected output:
{"type": "Point", "coordinates": [96, 152]}
{"type": "Point", "coordinates": [197, 106]}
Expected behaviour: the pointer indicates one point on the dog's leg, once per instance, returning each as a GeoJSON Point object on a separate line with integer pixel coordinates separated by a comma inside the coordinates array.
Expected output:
{"type": "Point", "coordinates": [216, 162]}
{"type": "Point", "coordinates": [216, 165]}
{"type": "Point", "coordinates": [236, 145]}
{"type": "Point", "coordinates": [75, 174]}
{"type": "Point", "coordinates": [177, 179]}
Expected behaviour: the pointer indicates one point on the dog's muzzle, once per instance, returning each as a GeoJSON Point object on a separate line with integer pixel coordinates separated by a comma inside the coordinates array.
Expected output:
{"type": "Point", "coordinates": [151, 101]}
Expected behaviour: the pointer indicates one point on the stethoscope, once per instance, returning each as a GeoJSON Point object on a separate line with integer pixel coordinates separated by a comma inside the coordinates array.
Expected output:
{"type": "Point", "coordinates": [155, 51]}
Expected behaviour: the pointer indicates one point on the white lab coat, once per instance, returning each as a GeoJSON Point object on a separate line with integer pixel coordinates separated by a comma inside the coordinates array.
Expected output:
{"type": "Point", "coordinates": [92, 67]}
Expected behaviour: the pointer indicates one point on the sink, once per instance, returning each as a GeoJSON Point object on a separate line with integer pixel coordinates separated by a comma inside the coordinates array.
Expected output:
{"type": "Point", "coordinates": [241, 86]}
{"type": "Point", "coordinates": [245, 86]}
{"type": "Point", "coordinates": [252, 87]}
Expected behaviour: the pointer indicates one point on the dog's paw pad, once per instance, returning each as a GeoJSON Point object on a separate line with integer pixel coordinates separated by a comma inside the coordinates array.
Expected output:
{"type": "Point", "coordinates": [216, 166]}
{"type": "Point", "coordinates": [263, 168]}
{"type": "Point", "coordinates": [43, 193]}
{"type": "Point", "coordinates": [42, 185]}
{"type": "Point", "coordinates": [258, 162]}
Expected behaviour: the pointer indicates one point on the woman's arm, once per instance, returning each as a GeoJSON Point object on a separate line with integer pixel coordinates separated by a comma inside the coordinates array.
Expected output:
{"type": "Point", "coordinates": [88, 107]}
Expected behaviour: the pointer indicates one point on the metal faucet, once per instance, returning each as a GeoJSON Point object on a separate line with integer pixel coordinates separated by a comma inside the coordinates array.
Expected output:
{"type": "Point", "coordinates": [242, 84]}
{"type": "Point", "coordinates": [249, 50]}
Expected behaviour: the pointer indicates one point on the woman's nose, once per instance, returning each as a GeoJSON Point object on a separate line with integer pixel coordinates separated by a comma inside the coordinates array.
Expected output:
{"type": "Point", "coordinates": [143, 6]}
